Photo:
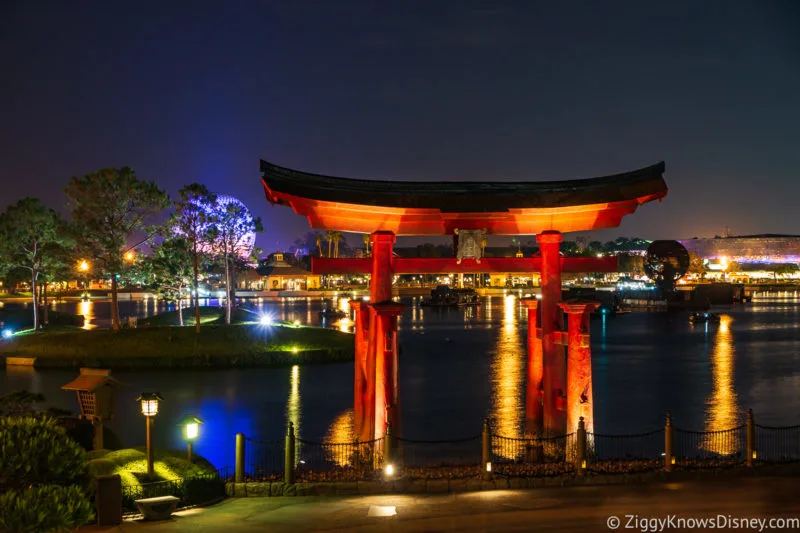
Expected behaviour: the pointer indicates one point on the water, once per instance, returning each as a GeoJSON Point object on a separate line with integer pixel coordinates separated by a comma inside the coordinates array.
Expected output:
{"type": "Point", "coordinates": [459, 366]}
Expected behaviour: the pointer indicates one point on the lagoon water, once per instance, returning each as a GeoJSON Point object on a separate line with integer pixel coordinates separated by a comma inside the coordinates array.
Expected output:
{"type": "Point", "coordinates": [459, 366]}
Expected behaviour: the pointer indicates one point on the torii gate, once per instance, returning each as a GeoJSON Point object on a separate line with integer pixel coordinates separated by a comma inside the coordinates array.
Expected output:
{"type": "Point", "coordinates": [559, 384]}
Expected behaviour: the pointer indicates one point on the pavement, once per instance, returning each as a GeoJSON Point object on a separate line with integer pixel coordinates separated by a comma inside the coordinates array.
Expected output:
{"type": "Point", "coordinates": [587, 508]}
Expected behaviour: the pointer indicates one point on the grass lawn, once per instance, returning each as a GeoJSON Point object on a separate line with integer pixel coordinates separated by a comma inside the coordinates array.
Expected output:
{"type": "Point", "coordinates": [170, 318]}
{"type": "Point", "coordinates": [131, 465]}
{"type": "Point", "coordinates": [175, 347]}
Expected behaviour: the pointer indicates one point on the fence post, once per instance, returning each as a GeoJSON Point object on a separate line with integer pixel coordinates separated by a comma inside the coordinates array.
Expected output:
{"type": "Point", "coordinates": [288, 466]}
{"type": "Point", "coordinates": [239, 470]}
{"type": "Point", "coordinates": [669, 454]}
{"type": "Point", "coordinates": [750, 439]}
{"type": "Point", "coordinates": [388, 451]}
{"type": "Point", "coordinates": [486, 450]}
{"type": "Point", "coordinates": [580, 456]}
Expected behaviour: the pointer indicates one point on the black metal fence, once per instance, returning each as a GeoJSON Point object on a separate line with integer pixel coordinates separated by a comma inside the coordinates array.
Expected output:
{"type": "Point", "coordinates": [264, 460]}
{"type": "Point", "coordinates": [624, 454]}
{"type": "Point", "coordinates": [667, 448]}
{"type": "Point", "coordinates": [200, 489]}
{"type": "Point", "coordinates": [710, 449]}
{"type": "Point", "coordinates": [540, 457]}
{"type": "Point", "coordinates": [777, 444]}
{"type": "Point", "coordinates": [351, 461]}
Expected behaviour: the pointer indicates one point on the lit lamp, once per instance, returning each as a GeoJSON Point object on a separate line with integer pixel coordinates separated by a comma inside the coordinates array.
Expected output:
{"type": "Point", "coordinates": [129, 256]}
{"type": "Point", "coordinates": [149, 402]}
{"type": "Point", "coordinates": [191, 429]}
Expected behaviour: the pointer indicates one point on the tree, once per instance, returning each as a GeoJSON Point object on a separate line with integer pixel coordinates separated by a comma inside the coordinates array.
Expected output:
{"type": "Point", "coordinates": [193, 219]}
{"type": "Point", "coordinates": [696, 266]}
{"type": "Point", "coordinates": [31, 237]}
{"type": "Point", "coordinates": [110, 208]}
{"type": "Point", "coordinates": [318, 242]}
{"type": "Point", "coordinates": [365, 238]}
{"type": "Point", "coordinates": [232, 234]}
{"type": "Point", "coordinates": [170, 270]}
{"type": "Point", "coordinates": [329, 237]}
{"type": "Point", "coordinates": [46, 487]}
{"type": "Point", "coordinates": [784, 269]}
{"type": "Point", "coordinates": [336, 236]}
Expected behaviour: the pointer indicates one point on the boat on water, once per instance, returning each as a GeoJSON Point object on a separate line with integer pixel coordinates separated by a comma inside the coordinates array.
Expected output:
{"type": "Point", "coordinates": [444, 296]}
{"type": "Point", "coordinates": [697, 318]}
{"type": "Point", "coordinates": [329, 313]}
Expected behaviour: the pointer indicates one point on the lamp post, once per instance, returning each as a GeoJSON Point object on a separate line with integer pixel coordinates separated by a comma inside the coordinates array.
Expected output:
{"type": "Point", "coordinates": [191, 430]}
{"type": "Point", "coordinates": [149, 402]}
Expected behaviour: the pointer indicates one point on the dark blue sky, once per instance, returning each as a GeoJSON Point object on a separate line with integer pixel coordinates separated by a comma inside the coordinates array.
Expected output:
{"type": "Point", "coordinates": [429, 90]}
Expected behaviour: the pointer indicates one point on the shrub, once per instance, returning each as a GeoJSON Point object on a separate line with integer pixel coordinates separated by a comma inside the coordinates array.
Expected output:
{"type": "Point", "coordinates": [43, 477]}
{"type": "Point", "coordinates": [44, 508]}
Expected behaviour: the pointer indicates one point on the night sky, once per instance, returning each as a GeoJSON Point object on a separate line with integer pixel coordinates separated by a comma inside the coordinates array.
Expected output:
{"type": "Point", "coordinates": [429, 90]}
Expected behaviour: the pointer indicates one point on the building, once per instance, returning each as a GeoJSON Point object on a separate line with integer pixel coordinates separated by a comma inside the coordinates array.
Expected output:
{"type": "Point", "coordinates": [278, 275]}
{"type": "Point", "coordinates": [747, 249]}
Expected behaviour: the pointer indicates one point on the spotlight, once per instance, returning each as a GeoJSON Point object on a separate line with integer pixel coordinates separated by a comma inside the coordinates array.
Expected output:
{"type": "Point", "coordinates": [265, 320]}
{"type": "Point", "coordinates": [389, 470]}
{"type": "Point", "coordinates": [296, 323]}
{"type": "Point", "coordinates": [7, 333]}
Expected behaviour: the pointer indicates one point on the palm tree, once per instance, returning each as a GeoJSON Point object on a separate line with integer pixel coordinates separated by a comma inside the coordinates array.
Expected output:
{"type": "Point", "coordinates": [318, 241]}
{"type": "Point", "coordinates": [329, 238]}
{"type": "Point", "coordinates": [336, 237]}
{"type": "Point", "coordinates": [365, 237]}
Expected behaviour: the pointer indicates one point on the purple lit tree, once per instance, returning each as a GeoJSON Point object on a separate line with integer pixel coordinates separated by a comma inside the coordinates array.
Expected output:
{"type": "Point", "coordinates": [233, 236]}
{"type": "Point", "coordinates": [194, 220]}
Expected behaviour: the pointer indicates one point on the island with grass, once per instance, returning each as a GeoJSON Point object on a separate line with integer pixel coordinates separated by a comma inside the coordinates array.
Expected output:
{"type": "Point", "coordinates": [158, 342]}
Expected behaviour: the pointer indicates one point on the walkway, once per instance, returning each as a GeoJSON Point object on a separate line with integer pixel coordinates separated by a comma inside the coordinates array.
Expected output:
{"type": "Point", "coordinates": [556, 509]}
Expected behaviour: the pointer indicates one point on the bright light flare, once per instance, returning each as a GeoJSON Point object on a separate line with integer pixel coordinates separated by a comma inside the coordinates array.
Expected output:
{"type": "Point", "coordinates": [294, 349]}
{"type": "Point", "coordinates": [389, 470]}
{"type": "Point", "coordinates": [83, 266]}
{"type": "Point", "coordinates": [265, 320]}
{"type": "Point", "coordinates": [7, 333]}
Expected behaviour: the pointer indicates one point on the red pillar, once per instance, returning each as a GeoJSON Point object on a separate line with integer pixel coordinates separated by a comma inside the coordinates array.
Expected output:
{"type": "Point", "coordinates": [380, 283]}
{"type": "Point", "coordinates": [361, 312]}
{"type": "Point", "coordinates": [380, 290]}
{"type": "Point", "coordinates": [534, 415]}
{"type": "Point", "coordinates": [555, 364]}
{"type": "Point", "coordinates": [387, 392]}
{"type": "Point", "coordinates": [579, 365]}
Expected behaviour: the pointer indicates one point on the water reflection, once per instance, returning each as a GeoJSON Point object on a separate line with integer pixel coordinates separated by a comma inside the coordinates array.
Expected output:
{"type": "Point", "coordinates": [294, 409]}
{"type": "Point", "coordinates": [340, 432]}
{"type": "Point", "coordinates": [722, 411]}
{"type": "Point", "coordinates": [86, 308]}
{"type": "Point", "coordinates": [507, 375]}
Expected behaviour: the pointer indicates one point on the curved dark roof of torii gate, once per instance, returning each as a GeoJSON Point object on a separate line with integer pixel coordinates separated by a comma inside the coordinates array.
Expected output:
{"type": "Point", "coordinates": [465, 196]}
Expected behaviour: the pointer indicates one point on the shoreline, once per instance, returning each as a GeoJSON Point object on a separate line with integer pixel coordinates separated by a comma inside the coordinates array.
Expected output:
{"type": "Point", "coordinates": [172, 347]}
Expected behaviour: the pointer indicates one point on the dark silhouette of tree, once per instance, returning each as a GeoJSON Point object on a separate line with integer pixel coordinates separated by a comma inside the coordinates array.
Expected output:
{"type": "Point", "coordinates": [110, 208]}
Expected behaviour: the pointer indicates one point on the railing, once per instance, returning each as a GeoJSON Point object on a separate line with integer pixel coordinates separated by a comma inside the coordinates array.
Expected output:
{"type": "Point", "coordinates": [540, 457]}
{"type": "Point", "coordinates": [264, 460]}
{"type": "Point", "coordinates": [199, 489]}
{"type": "Point", "coordinates": [488, 455]}
{"type": "Point", "coordinates": [710, 449]}
{"type": "Point", "coordinates": [778, 444]}
{"type": "Point", "coordinates": [455, 458]}
{"type": "Point", "coordinates": [350, 461]}
{"type": "Point", "coordinates": [624, 454]}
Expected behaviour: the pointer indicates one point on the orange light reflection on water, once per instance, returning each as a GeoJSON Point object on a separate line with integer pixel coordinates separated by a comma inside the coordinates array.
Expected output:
{"type": "Point", "coordinates": [722, 411]}
{"type": "Point", "coordinates": [507, 376]}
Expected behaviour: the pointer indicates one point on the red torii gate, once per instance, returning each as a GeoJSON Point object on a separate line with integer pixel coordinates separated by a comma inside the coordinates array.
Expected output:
{"type": "Point", "coordinates": [559, 385]}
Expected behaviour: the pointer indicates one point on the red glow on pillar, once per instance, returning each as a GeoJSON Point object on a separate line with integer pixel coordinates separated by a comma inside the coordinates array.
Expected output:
{"type": "Point", "coordinates": [555, 371]}
{"type": "Point", "coordinates": [533, 390]}
{"type": "Point", "coordinates": [580, 401]}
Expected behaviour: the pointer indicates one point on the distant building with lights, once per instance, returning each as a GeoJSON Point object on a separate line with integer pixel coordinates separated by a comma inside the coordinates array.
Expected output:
{"type": "Point", "coordinates": [747, 249]}
{"type": "Point", "coordinates": [278, 275]}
